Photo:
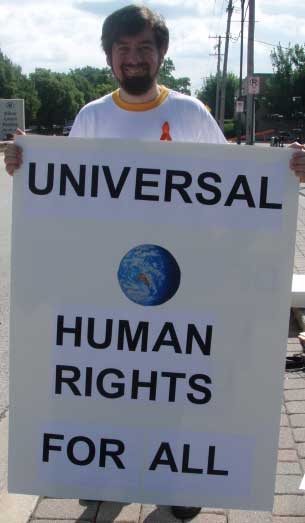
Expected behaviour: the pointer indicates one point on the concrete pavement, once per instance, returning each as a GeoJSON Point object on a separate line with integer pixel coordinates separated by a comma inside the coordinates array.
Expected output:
{"type": "Point", "coordinates": [289, 502]}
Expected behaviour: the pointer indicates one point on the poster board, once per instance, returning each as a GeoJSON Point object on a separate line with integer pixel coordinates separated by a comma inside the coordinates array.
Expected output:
{"type": "Point", "coordinates": [174, 401]}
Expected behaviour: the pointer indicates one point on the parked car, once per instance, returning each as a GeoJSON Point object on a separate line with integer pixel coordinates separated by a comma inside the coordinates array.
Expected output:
{"type": "Point", "coordinates": [66, 130]}
{"type": "Point", "coordinates": [276, 116]}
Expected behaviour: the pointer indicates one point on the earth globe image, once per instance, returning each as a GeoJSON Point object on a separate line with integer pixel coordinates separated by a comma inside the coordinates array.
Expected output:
{"type": "Point", "coordinates": [149, 275]}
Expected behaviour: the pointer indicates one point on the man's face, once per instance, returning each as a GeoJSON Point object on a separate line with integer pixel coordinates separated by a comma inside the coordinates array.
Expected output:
{"type": "Point", "coordinates": [136, 61]}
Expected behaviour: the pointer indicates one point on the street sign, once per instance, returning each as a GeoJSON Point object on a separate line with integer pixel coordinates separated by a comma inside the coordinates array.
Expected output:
{"type": "Point", "coordinates": [253, 84]}
{"type": "Point", "coordinates": [240, 106]}
{"type": "Point", "coordinates": [11, 116]}
{"type": "Point", "coordinates": [136, 374]}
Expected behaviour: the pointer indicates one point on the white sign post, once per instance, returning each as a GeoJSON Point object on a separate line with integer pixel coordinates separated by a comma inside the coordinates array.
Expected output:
{"type": "Point", "coordinates": [240, 104]}
{"type": "Point", "coordinates": [11, 116]}
{"type": "Point", "coordinates": [150, 302]}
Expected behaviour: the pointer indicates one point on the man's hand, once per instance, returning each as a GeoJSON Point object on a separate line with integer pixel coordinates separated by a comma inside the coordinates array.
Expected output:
{"type": "Point", "coordinates": [297, 162]}
{"type": "Point", "coordinates": [13, 156]}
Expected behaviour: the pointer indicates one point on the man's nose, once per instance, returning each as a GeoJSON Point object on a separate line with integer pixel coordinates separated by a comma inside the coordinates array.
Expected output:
{"type": "Point", "coordinates": [134, 56]}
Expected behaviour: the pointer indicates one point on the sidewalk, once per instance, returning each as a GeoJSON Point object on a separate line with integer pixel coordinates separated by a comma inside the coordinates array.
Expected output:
{"type": "Point", "coordinates": [289, 502]}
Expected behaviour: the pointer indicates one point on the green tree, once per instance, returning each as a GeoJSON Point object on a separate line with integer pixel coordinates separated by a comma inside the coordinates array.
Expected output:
{"type": "Point", "coordinates": [9, 74]}
{"type": "Point", "coordinates": [93, 82]}
{"type": "Point", "coordinates": [207, 94]}
{"type": "Point", "coordinates": [287, 84]}
{"type": "Point", "coordinates": [59, 97]}
{"type": "Point", "coordinates": [14, 84]}
{"type": "Point", "coordinates": [166, 77]}
{"type": "Point", "coordinates": [26, 90]}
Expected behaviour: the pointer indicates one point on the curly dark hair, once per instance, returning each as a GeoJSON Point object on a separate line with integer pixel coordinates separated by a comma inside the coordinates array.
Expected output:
{"type": "Point", "coordinates": [132, 20]}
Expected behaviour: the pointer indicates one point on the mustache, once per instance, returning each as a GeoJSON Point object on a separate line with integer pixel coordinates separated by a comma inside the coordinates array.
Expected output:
{"type": "Point", "coordinates": [144, 65]}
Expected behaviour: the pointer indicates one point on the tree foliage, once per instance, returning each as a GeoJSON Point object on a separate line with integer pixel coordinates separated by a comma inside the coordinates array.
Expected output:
{"type": "Point", "coordinates": [207, 94]}
{"type": "Point", "coordinates": [53, 98]}
{"type": "Point", "coordinates": [14, 84]}
{"type": "Point", "coordinates": [285, 93]}
{"type": "Point", "coordinates": [166, 77]}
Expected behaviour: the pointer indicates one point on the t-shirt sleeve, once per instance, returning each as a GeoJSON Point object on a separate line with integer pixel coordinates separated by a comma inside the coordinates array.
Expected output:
{"type": "Point", "coordinates": [209, 130]}
{"type": "Point", "coordinates": [78, 130]}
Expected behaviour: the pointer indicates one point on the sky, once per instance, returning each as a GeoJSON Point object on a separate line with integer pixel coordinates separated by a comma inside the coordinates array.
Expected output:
{"type": "Point", "coordinates": [64, 34]}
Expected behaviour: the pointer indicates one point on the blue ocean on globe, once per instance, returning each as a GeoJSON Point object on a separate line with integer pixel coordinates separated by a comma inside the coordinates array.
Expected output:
{"type": "Point", "coordinates": [149, 275]}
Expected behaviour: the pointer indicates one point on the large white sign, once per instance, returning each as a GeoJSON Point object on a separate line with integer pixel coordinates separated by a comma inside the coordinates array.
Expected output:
{"type": "Point", "coordinates": [11, 116]}
{"type": "Point", "coordinates": [150, 299]}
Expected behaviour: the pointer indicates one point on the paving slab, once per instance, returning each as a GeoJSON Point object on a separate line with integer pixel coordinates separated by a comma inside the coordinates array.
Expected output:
{"type": "Point", "coordinates": [284, 420]}
{"type": "Point", "coordinates": [294, 395]}
{"type": "Point", "coordinates": [287, 455]}
{"type": "Point", "coordinates": [213, 511]}
{"type": "Point", "coordinates": [289, 505]}
{"type": "Point", "coordinates": [285, 467]}
{"type": "Point", "coordinates": [243, 516]}
{"type": "Point", "coordinates": [16, 508]}
{"type": "Point", "coordinates": [293, 383]}
{"type": "Point", "coordinates": [299, 435]}
{"type": "Point", "coordinates": [295, 407]}
{"type": "Point", "coordinates": [288, 484]}
{"type": "Point", "coordinates": [118, 513]}
{"type": "Point", "coordinates": [50, 508]}
{"type": "Point", "coordinates": [297, 420]}
{"type": "Point", "coordinates": [301, 450]}
{"type": "Point", "coordinates": [286, 438]}
{"type": "Point", "coordinates": [207, 517]}
{"type": "Point", "coordinates": [289, 519]}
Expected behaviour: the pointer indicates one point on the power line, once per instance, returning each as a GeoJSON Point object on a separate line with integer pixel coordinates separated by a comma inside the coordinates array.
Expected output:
{"type": "Point", "coordinates": [272, 45]}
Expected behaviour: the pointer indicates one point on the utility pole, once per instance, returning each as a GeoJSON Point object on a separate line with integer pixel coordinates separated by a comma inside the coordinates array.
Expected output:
{"type": "Point", "coordinates": [239, 121]}
{"type": "Point", "coordinates": [224, 72]}
{"type": "Point", "coordinates": [218, 76]}
{"type": "Point", "coordinates": [218, 79]}
{"type": "Point", "coordinates": [250, 70]}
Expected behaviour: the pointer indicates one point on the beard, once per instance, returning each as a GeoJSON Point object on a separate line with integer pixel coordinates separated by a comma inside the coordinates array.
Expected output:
{"type": "Point", "coordinates": [138, 84]}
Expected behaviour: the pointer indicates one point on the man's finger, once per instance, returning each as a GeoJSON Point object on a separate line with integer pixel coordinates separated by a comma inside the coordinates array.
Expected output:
{"type": "Point", "coordinates": [295, 145]}
{"type": "Point", "coordinates": [20, 132]}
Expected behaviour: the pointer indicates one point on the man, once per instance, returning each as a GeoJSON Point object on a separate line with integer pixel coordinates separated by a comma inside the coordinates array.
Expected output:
{"type": "Point", "coordinates": [135, 41]}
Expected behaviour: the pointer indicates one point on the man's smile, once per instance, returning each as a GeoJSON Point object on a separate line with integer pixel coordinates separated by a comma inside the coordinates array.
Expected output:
{"type": "Point", "coordinates": [132, 70]}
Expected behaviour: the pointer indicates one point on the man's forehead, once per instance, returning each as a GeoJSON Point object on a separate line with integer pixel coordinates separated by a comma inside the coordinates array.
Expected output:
{"type": "Point", "coordinates": [145, 37]}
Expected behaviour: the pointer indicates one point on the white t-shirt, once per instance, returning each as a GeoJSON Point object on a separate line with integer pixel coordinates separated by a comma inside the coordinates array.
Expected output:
{"type": "Point", "coordinates": [171, 116]}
